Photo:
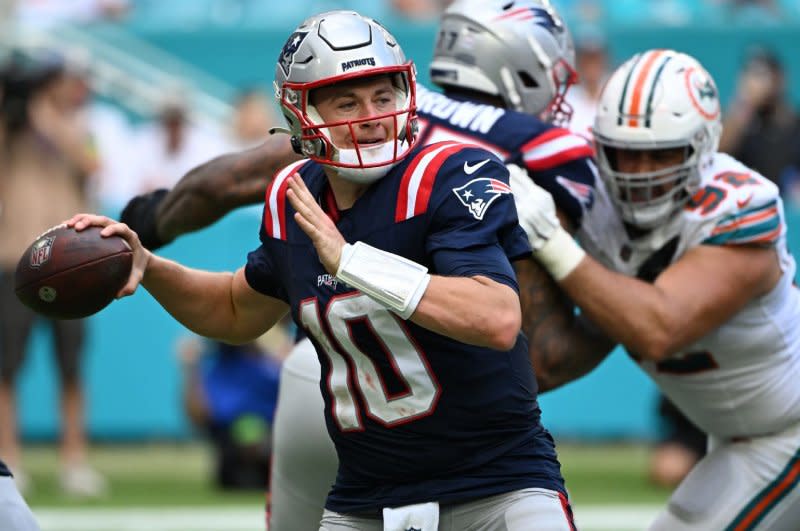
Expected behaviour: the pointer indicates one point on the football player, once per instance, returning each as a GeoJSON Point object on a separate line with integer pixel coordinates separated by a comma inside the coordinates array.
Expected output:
{"type": "Point", "coordinates": [379, 246]}
{"type": "Point", "coordinates": [686, 265]}
{"type": "Point", "coordinates": [481, 104]}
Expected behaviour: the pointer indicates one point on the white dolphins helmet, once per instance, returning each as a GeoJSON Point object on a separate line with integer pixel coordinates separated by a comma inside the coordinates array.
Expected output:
{"type": "Point", "coordinates": [518, 50]}
{"type": "Point", "coordinates": [331, 48]}
{"type": "Point", "coordinates": [659, 99]}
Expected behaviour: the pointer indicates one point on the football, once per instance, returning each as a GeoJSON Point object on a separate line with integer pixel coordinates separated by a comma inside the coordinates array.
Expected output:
{"type": "Point", "coordinates": [66, 274]}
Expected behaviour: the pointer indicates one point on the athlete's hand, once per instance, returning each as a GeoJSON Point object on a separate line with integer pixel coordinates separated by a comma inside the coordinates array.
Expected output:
{"type": "Point", "coordinates": [320, 228]}
{"type": "Point", "coordinates": [535, 207]}
{"type": "Point", "coordinates": [553, 247]}
{"type": "Point", "coordinates": [141, 256]}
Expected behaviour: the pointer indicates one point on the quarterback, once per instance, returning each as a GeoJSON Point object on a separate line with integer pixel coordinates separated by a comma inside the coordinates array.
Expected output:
{"type": "Point", "coordinates": [378, 246]}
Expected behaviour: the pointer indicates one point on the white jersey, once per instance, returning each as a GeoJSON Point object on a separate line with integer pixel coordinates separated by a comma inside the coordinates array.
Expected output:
{"type": "Point", "coordinates": [741, 379]}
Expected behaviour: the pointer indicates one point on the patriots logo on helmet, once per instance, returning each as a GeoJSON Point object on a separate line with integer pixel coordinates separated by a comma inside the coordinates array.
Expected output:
{"type": "Point", "coordinates": [541, 16]}
{"type": "Point", "coordinates": [289, 49]}
{"type": "Point", "coordinates": [479, 193]}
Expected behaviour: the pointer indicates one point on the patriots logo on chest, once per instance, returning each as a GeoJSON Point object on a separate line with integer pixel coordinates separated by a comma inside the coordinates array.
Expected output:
{"type": "Point", "coordinates": [478, 194]}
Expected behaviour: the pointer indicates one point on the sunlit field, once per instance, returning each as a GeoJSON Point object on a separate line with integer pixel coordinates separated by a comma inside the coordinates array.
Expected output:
{"type": "Point", "coordinates": [167, 487]}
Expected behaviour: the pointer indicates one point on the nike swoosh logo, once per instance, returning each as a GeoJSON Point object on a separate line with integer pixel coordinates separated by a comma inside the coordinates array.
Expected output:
{"type": "Point", "coordinates": [742, 204]}
{"type": "Point", "coordinates": [469, 170]}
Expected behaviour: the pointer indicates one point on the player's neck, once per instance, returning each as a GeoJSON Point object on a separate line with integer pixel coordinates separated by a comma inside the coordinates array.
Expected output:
{"type": "Point", "coordinates": [345, 192]}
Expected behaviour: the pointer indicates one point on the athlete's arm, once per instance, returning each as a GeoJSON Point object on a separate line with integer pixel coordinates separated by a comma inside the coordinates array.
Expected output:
{"type": "Point", "coordinates": [207, 193]}
{"type": "Point", "coordinates": [476, 310]}
{"type": "Point", "coordinates": [220, 306]}
{"type": "Point", "coordinates": [213, 189]}
{"type": "Point", "coordinates": [693, 296]}
{"type": "Point", "coordinates": [563, 346]}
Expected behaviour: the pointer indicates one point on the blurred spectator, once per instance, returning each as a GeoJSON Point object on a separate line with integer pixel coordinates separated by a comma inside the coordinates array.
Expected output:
{"type": "Point", "coordinates": [112, 183]}
{"type": "Point", "coordinates": [45, 159]}
{"type": "Point", "coordinates": [419, 9]}
{"type": "Point", "coordinates": [115, 181]}
{"type": "Point", "coordinates": [679, 448]}
{"type": "Point", "coordinates": [47, 12]}
{"type": "Point", "coordinates": [761, 128]}
{"type": "Point", "coordinates": [752, 11]}
{"type": "Point", "coordinates": [230, 393]}
{"type": "Point", "coordinates": [171, 146]}
{"type": "Point", "coordinates": [591, 63]}
{"type": "Point", "coordinates": [252, 118]}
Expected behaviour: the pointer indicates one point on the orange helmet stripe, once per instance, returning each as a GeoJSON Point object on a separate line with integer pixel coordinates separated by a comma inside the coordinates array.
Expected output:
{"type": "Point", "coordinates": [638, 88]}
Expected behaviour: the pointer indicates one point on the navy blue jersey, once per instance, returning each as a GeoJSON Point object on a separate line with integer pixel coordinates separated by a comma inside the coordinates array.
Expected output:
{"type": "Point", "coordinates": [415, 416]}
{"type": "Point", "coordinates": [558, 160]}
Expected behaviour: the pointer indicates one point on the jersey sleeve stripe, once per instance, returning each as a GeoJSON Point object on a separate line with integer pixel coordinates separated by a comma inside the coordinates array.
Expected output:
{"type": "Point", "coordinates": [747, 219]}
{"type": "Point", "coordinates": [417, 181]}
{"type": "Point", "coordinates": [557, 156]}
{"type": "Point", "coordinates": [559, 147]}
{"type": "Point", "coordinates": [766, 232]}
{"type": "Point", "coordinates": [544, 138]}
{"type": "Point", "coordinates": [275, 211]}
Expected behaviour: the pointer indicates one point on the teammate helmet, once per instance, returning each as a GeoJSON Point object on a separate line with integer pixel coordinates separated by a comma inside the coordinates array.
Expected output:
{"type": "Point", "coordinates": [518, 50]}
{"type": "Point", "coordinates": [334, 47]}
{"type": "Point", "coordinates": [659, 99]}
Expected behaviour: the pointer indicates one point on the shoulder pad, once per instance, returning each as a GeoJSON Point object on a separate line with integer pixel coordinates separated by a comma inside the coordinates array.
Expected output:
{"type": "Point", "coordinates": [740, 207]}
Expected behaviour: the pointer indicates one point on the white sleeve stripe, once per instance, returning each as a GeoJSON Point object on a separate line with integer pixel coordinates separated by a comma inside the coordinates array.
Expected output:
{"type": "Point", "coordinates": [416, 178]}
{"type": "Point", "coordinates": [277, 183]}
{"type": "Point", "coordinates": [554, 147]}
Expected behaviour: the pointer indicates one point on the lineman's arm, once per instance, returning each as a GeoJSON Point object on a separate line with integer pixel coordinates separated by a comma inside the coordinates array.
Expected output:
{"type": "Point", "coordinates": [213, 189]}
{"type": "Point", "coordinates": [693, 296]}
{"type": "Point", "coordinates": [696, 294]}
{"type": "Point", "coordinates": [563, 346]}
{"type": "Point", "coordinates": [207, 193]}
{"type": "Point", "coordinates": [219, 306]}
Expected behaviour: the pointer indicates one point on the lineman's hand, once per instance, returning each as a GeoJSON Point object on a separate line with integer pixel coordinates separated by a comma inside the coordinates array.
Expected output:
{"type": "Point", "coordinates": [320, 228]}
{"type": "Point", "coordinates": [535, 207]}
{"type": "Point", "coordinates": [140, 215]}
{"type": "Point", "coordinates": [141, 256]}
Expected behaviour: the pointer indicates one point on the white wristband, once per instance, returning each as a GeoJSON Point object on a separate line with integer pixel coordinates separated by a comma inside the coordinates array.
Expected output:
{"type": "Point", "coordinates": [560, 255]}
{"type": "Point", "coordinates": [395, 282]}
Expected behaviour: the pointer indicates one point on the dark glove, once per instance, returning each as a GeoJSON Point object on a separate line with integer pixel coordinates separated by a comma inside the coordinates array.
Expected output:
{"type": "Point", "coordinates": [140, 215]}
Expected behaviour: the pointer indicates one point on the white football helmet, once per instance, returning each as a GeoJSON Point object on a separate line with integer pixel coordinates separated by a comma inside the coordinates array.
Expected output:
{"type": "Point", "coordinates": [659, 99]}
{"type": "Point", "coordinates": [518, 50]}
{"type": "Point", "coordinates": [334, 47]}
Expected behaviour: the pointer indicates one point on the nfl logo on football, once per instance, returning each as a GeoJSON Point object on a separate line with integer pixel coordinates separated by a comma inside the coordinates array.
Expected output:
{"type": "Point", "coordinates": [40, 253]}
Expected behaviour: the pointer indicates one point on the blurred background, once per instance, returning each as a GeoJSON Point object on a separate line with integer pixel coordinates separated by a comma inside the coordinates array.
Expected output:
{"type": "Point", "coordinates": [131, 94]}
